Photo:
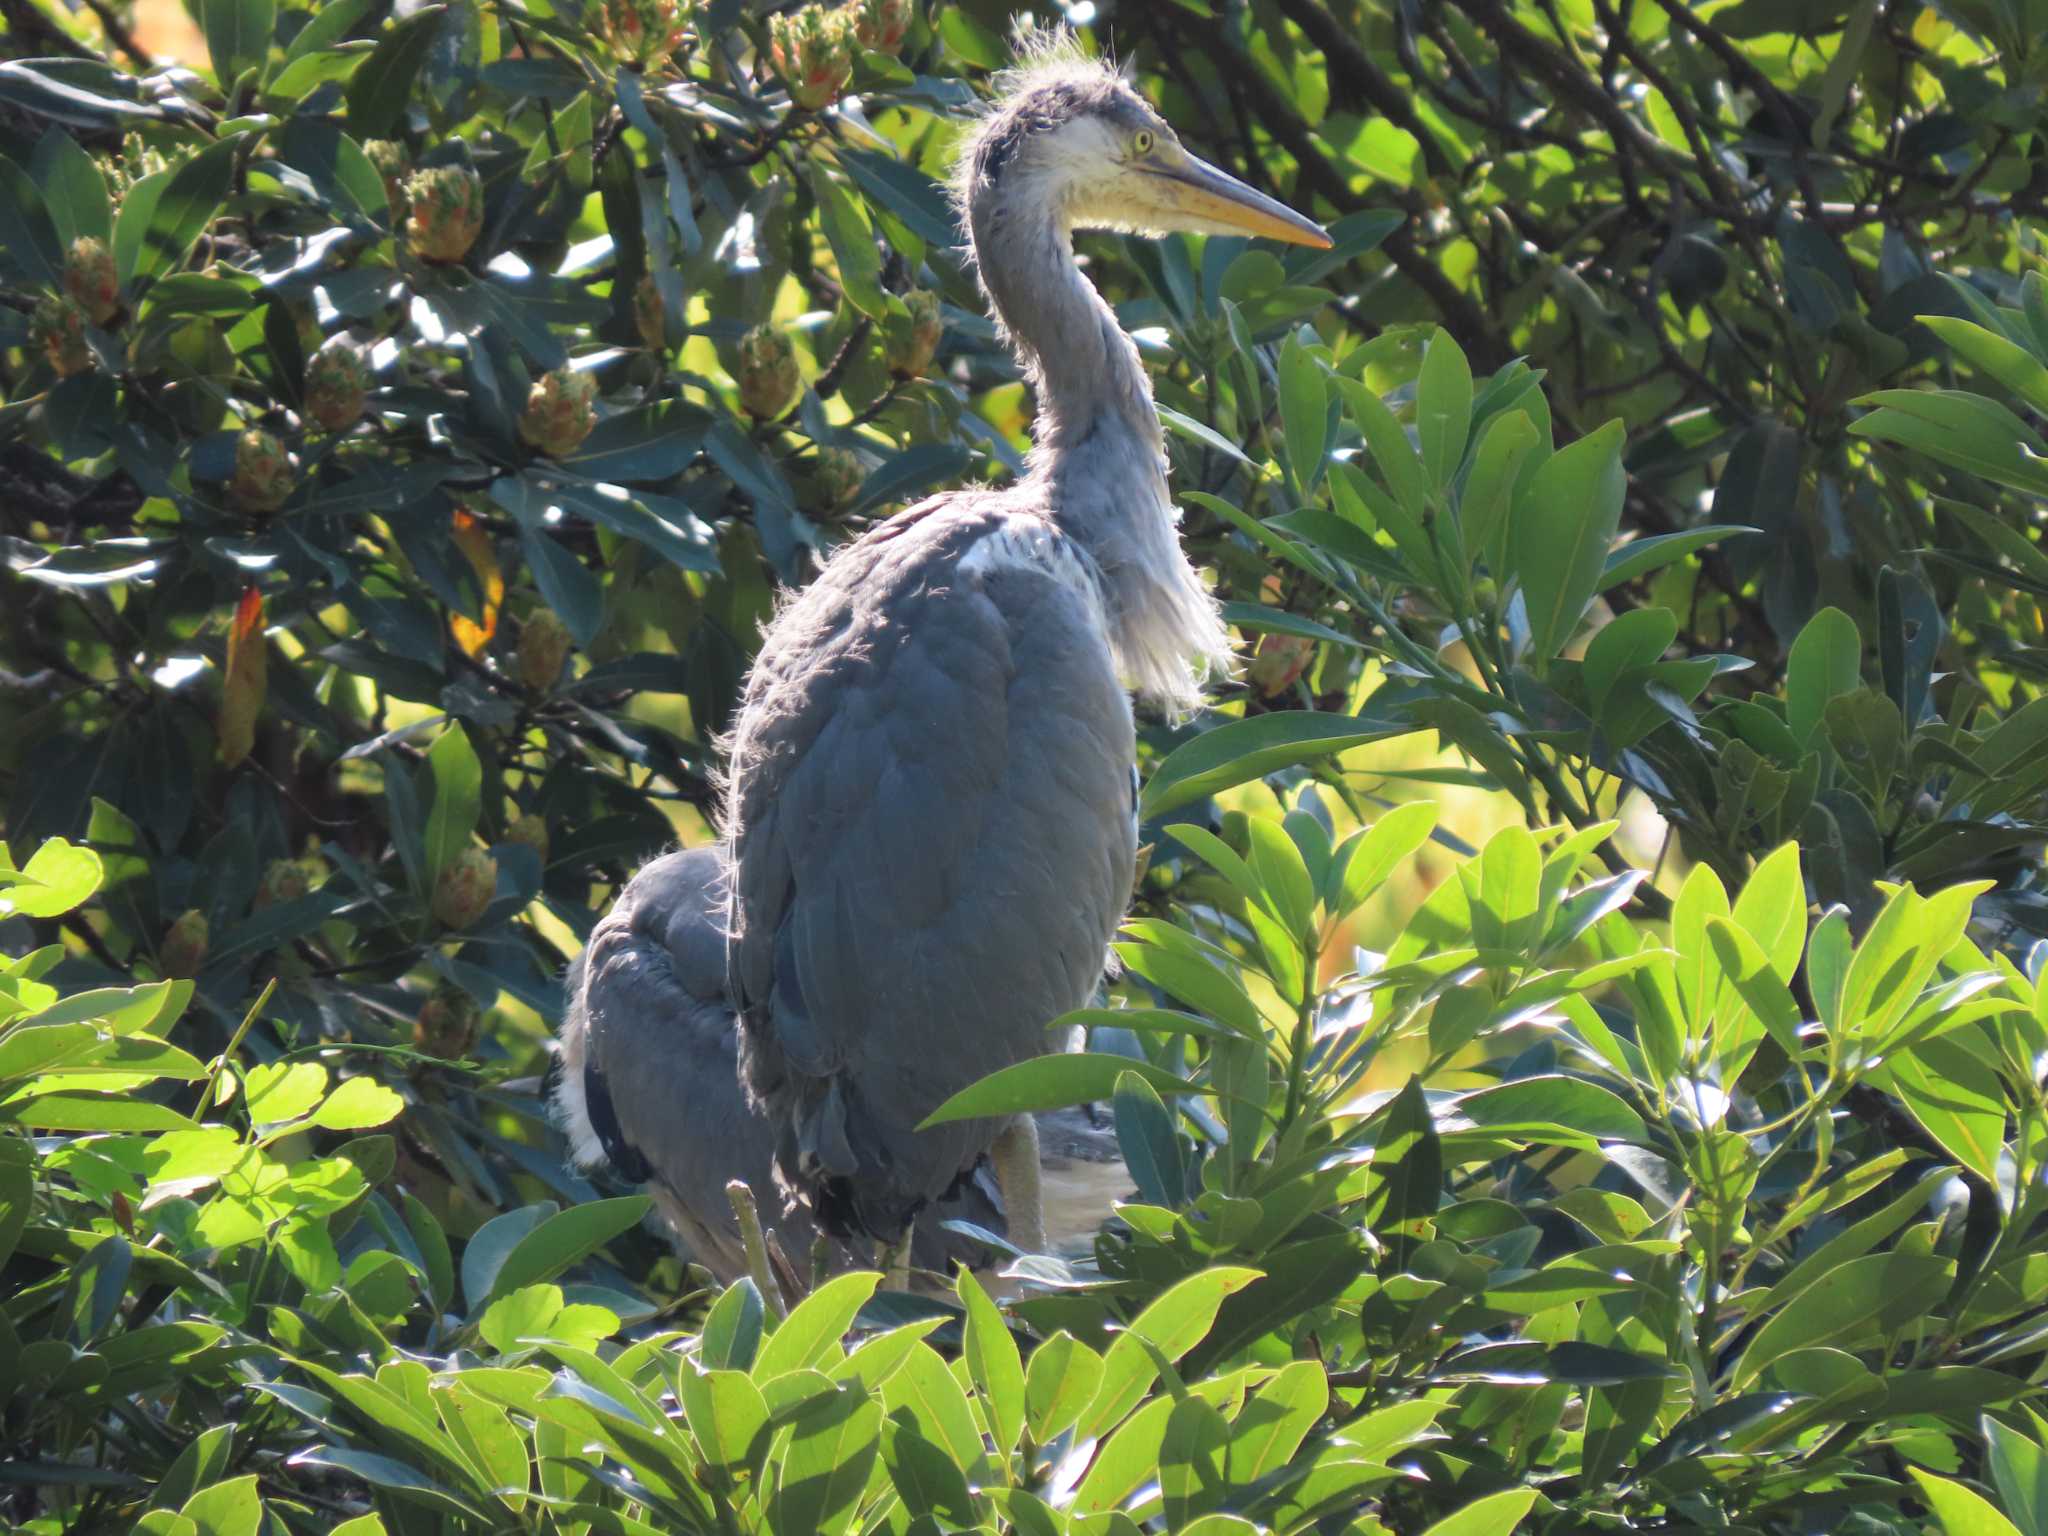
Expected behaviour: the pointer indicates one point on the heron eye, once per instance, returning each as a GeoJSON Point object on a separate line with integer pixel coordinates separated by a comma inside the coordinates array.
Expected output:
{"type": "Point", "coordinates": [1141, 141]}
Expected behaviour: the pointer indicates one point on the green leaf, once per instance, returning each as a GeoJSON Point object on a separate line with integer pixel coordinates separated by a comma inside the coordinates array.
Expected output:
{"type": "Point", "coordinates": [566, 1239]}
{"type": "Point", "coordinates": [1129, 1458]}
{"type": "Point", "coordinates": [1443, 407]}
{"type": "Point", "coordinates": [1191, 1461]}
{"type": "Point", "coordinates": [1825, 663]}
{"type": "Point", "coordinates": [931, 1487]}
{"type": "Point", "coordinates": [1387, 442]}
{"type": "Point", "coordinates": [811, 1333]}
{"type": "Point", "coordinates": [1489, 492]}
{"type": "Point", "coordinates": [358, 1104]}
{"type": "Point", "coordinates": [1875, 1294]}
{"type": "Point", "coordinates": [1247, 749]}
{"type": "Point", "coordinates": [1275, 1420]}
{"type": "Point", "coordinates": [2020, 1469]}
{"type": "Point", "coordinates": [1565, 520]}
{"type": "Point", "coordinates": [1166, 1330]}
{"type": "Point", "coordinates": [457, 777]}
{"type": "Point", "coordinates": [489, 1247]}
{"type": "Point", "coordinates": [727, 1415]}
{"type": "Point", "coordinates": [1961, 1512]}
{"type": "Point", "coordinates": [853, 247]}
{"type": "Point", "coordinates": [90, 1112]}
{"type": "Point", "coordinates": [826, 1463]}
{"type": "Point", "coordinates": [232, 1508]}
{"type": "Point", "coordinates": [992, 1359]}
{"type": "Point", "coordinates": [1956, 1098]}
{"type": "Point", "coordinates": [1407, 1179]}
{"type": "Point", "coordinates": [1541, 1103]}
{"type": "Point", "coordinates": [1145, 1135]}
{"type": "Point", "coordinates": [237, 36]}
{"type": "Point", "coordinates": [58, 877]}
{"type": "Point", "coordinates": [732, 1329]}
{"type": "Point", "coordinates": [1304, 414]}
{"type": "Point", "coordinates": [182, 210]}
{"type": "Point", "coordinates": [1495, 1515]}
{"type": "Point", "coordinates": [1639, 557]}
{"type": "Point", "coordinates": [1057, 1081]}
{"type": "Point", "coordinates": [75, 190]}
{"type": "Point", "coordinates": [1063, 1379]}
{"type": "Point", "coordinates": [1365, 862]}
{"type": "Point", "coordinates": [381, 87]}
{"type": "Point", "coordinates": [28, 236]}
{"type": "Point", "coordinates": [1966, 431]}
{"type": "Point", "coordinates": [2014, 367]}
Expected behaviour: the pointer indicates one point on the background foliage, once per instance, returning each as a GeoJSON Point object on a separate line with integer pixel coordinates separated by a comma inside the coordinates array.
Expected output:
{"type": "Point", "coordinates": [411, 413]}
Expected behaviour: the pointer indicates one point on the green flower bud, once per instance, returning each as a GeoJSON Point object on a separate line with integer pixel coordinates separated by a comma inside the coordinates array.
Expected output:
{"type": "Point", "coordinates": [544, 643]}
{"type": "Point", "coordinates": [532, 832]}
{"type": "Point", "coordinates": [558, 413]}
{"type": "Point", "coordinates": [465, 888]}
{"type": "Point", "coordinates": [263, 472]}
{"type": "Point", "coordinates": [58, 330]}
{"type": "Point", "coordinates": [283, 880]}
{"type": "Point", "coordinates": [183, 950]}
{"type": "Point", "coordinates": [768, 377]}
{"type": "Point", "coordinates": [813, 53]}
{"type": "Point", "coordinates": [337, 385]}
{"type": "Point", "coordinates": [909, 346]}
{"type": "Point", "coordinates": [446, 212]}
{"type": "Point", "coordinates": [91, 280]}
{"type": "Point", "coordinates": [838, 475]}
{"type": "Point", "coordinates": [650, 316]}
{"type": "Point", "coordinates": [446, 1025]}
{"type": "Point", "coordinates": [389, 158]}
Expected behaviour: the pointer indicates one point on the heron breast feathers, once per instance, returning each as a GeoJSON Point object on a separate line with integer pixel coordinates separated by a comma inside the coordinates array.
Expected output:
{"type": "Point", "coordinates": [1028, 545]}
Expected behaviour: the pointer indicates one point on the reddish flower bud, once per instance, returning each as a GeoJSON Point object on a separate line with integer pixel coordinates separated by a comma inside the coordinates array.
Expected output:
{"type": "Point", "coordinates": [813, 53]}
{"type": "Point", "coordinates": [1279, 663]}
{"type": "Point", "coordinates": [768, 377]}
{"type": "Point", "coordinates": [544, 643]}
{"type": "Point", "coordinates": [910, 345]}
{"type": "Point", "coordinates": [263, 472]}
{"type": "Point", "coordinates": [337, 385]}
{"type": "Point", "coordinates": [641, 33]}
{"type": "Point", "coordinates": [183, 950]}
{"type": "Point", "coordinates": [57, 328]}
{"type": "Point", "coordinates": [465, 888]}
{"type": "Point", "coordinates": [446, 212]}
{"type": "Point", "coordinates": [91, 280]}
{"type": "Point", "coordinates": [881, 24]}
{"type": "Point", "coordinates": [558, 413]}
{"type": "Point", "coordinates": [446, 1025]}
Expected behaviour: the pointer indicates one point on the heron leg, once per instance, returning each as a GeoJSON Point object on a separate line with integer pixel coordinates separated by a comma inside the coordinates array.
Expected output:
{"type": "Point", "coordinates": [1015, 1155]}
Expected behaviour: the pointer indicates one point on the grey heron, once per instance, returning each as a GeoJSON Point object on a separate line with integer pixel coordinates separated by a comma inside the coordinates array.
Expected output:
{"type": "Point", "coordinates": [932, 800]}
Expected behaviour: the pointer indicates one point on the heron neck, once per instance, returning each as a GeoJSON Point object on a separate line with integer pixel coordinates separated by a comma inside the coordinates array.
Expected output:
{"type": "Point", "coordinates": [1099, 467]}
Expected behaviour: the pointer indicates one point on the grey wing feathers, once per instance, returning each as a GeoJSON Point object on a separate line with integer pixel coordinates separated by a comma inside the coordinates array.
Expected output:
{"type": "Point", "coordinates": [931, 846]}
{"type": "Point", "coordinates": [647, 1076]}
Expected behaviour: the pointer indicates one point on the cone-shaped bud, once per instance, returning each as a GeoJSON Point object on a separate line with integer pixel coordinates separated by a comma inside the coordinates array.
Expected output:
{"type": "Point", "coordinates": [838, 476]}
{"type": "Point", "coordinates": [544, 643]}
{"type": "Point", "coordinates": [245, 681]}
{"type": "Point", "coordinates": [91, 280]}
{"type": "Point", "coordinates": [263, 472]}
{"type": "Point", "coordinates": [58, 330]}
{"type": "Point", "coordinates": [813, 53]}
{"type": "Point", "coordinates": [445, 213]}
{"type": "Point", "coordinates": [558, 413]}
{"type": "Point", "coordinates": [446, 1025]}
{"type": "Point", "coordinates": [337, 385]}
{"type": "Point", "coordinates": [1279, 663]}
{"type": "Point", "coordinates": [391, 162]}
{"type": "Point", "coordinates": [769, 378]}
{"type": "Point", "coordinates": [880, 24]}
{"type": "Point", "coordinates": [465, 888]}
{"type": "Point", "coordinates": [183, 950]}
{"type": "Point", "coordinates": [641, 33]}
{"type": "Point", "coordinates": [532, 832]}
{"type": "Point", "coordinates": [909, 346]}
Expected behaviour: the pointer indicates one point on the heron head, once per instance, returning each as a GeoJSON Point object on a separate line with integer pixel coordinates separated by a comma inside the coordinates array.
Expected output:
{"type": "Point", "coordinates": [1070, 134]}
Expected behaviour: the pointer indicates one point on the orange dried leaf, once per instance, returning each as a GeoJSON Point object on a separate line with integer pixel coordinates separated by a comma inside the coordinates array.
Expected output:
{"type": "Point", "coordinates": [475, 544]}
{"type": "Point", "coordinates": [246, 681]}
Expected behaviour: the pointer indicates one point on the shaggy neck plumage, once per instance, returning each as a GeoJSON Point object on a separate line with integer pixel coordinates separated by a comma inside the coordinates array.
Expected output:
{"type": "Point", "coordinates": [1100, 460]}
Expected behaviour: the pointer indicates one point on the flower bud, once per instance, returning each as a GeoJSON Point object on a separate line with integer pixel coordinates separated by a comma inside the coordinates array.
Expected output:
{"type": "Point", "coordinates": [283, 880]}
{"type": "Point", "coordinates": [769, 378]}
{"type": "Point", "coordinates": [465, 888]}
{"type": "Point", "coordinates": [337, 385]}
{"type": "Point", "coordinates": [650, 315]}
{"type": "Point", "coordinates": [641, 33]}
{"type": "Point", "coordinates": [446, 1025]}
{"type": "Point", "coordinates": [813, 53]}
{"type": "Point", "coordinates": [263, 472]}
{"type": "Point", "coordinates": [909, 346]}
{"type": "Point", "coordinates": [880, 24]}
{"type": "Point", "coordinates": [389, 159]}
{"type": "Point", "coordinates": [530, 831]}
{"type": "Point", "coordinates": [838, 475]}
{"type": "Point", "coordinates": [58, 330]}
{"type": "Point", "coordinates": [558, 414]}
{"type": "Point", "coordinates": [183, 950]}
{"type": "Point", "coordinates": [543, 646]}
{"type": "Point", "coordinates": [1279, 663]}
{"type": "Point", "coordinates": [91, 280]}
{"type": "Point", "coordinates": [446, 212]}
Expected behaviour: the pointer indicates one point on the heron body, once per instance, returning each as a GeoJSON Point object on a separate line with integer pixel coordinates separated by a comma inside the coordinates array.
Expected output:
{"type": "Point", "coordinates": [931, 816]}
{"type": "Point", "coordinates": [931, 825]}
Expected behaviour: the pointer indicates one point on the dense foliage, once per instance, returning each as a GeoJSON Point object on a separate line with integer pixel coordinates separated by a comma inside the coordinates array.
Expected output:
{"type": "Point", "coordinates": [410, 418]}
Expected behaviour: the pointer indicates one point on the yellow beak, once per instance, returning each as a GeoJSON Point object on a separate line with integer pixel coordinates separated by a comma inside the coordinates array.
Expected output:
{"type": "Point", "coordinates": [1208, 198]}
